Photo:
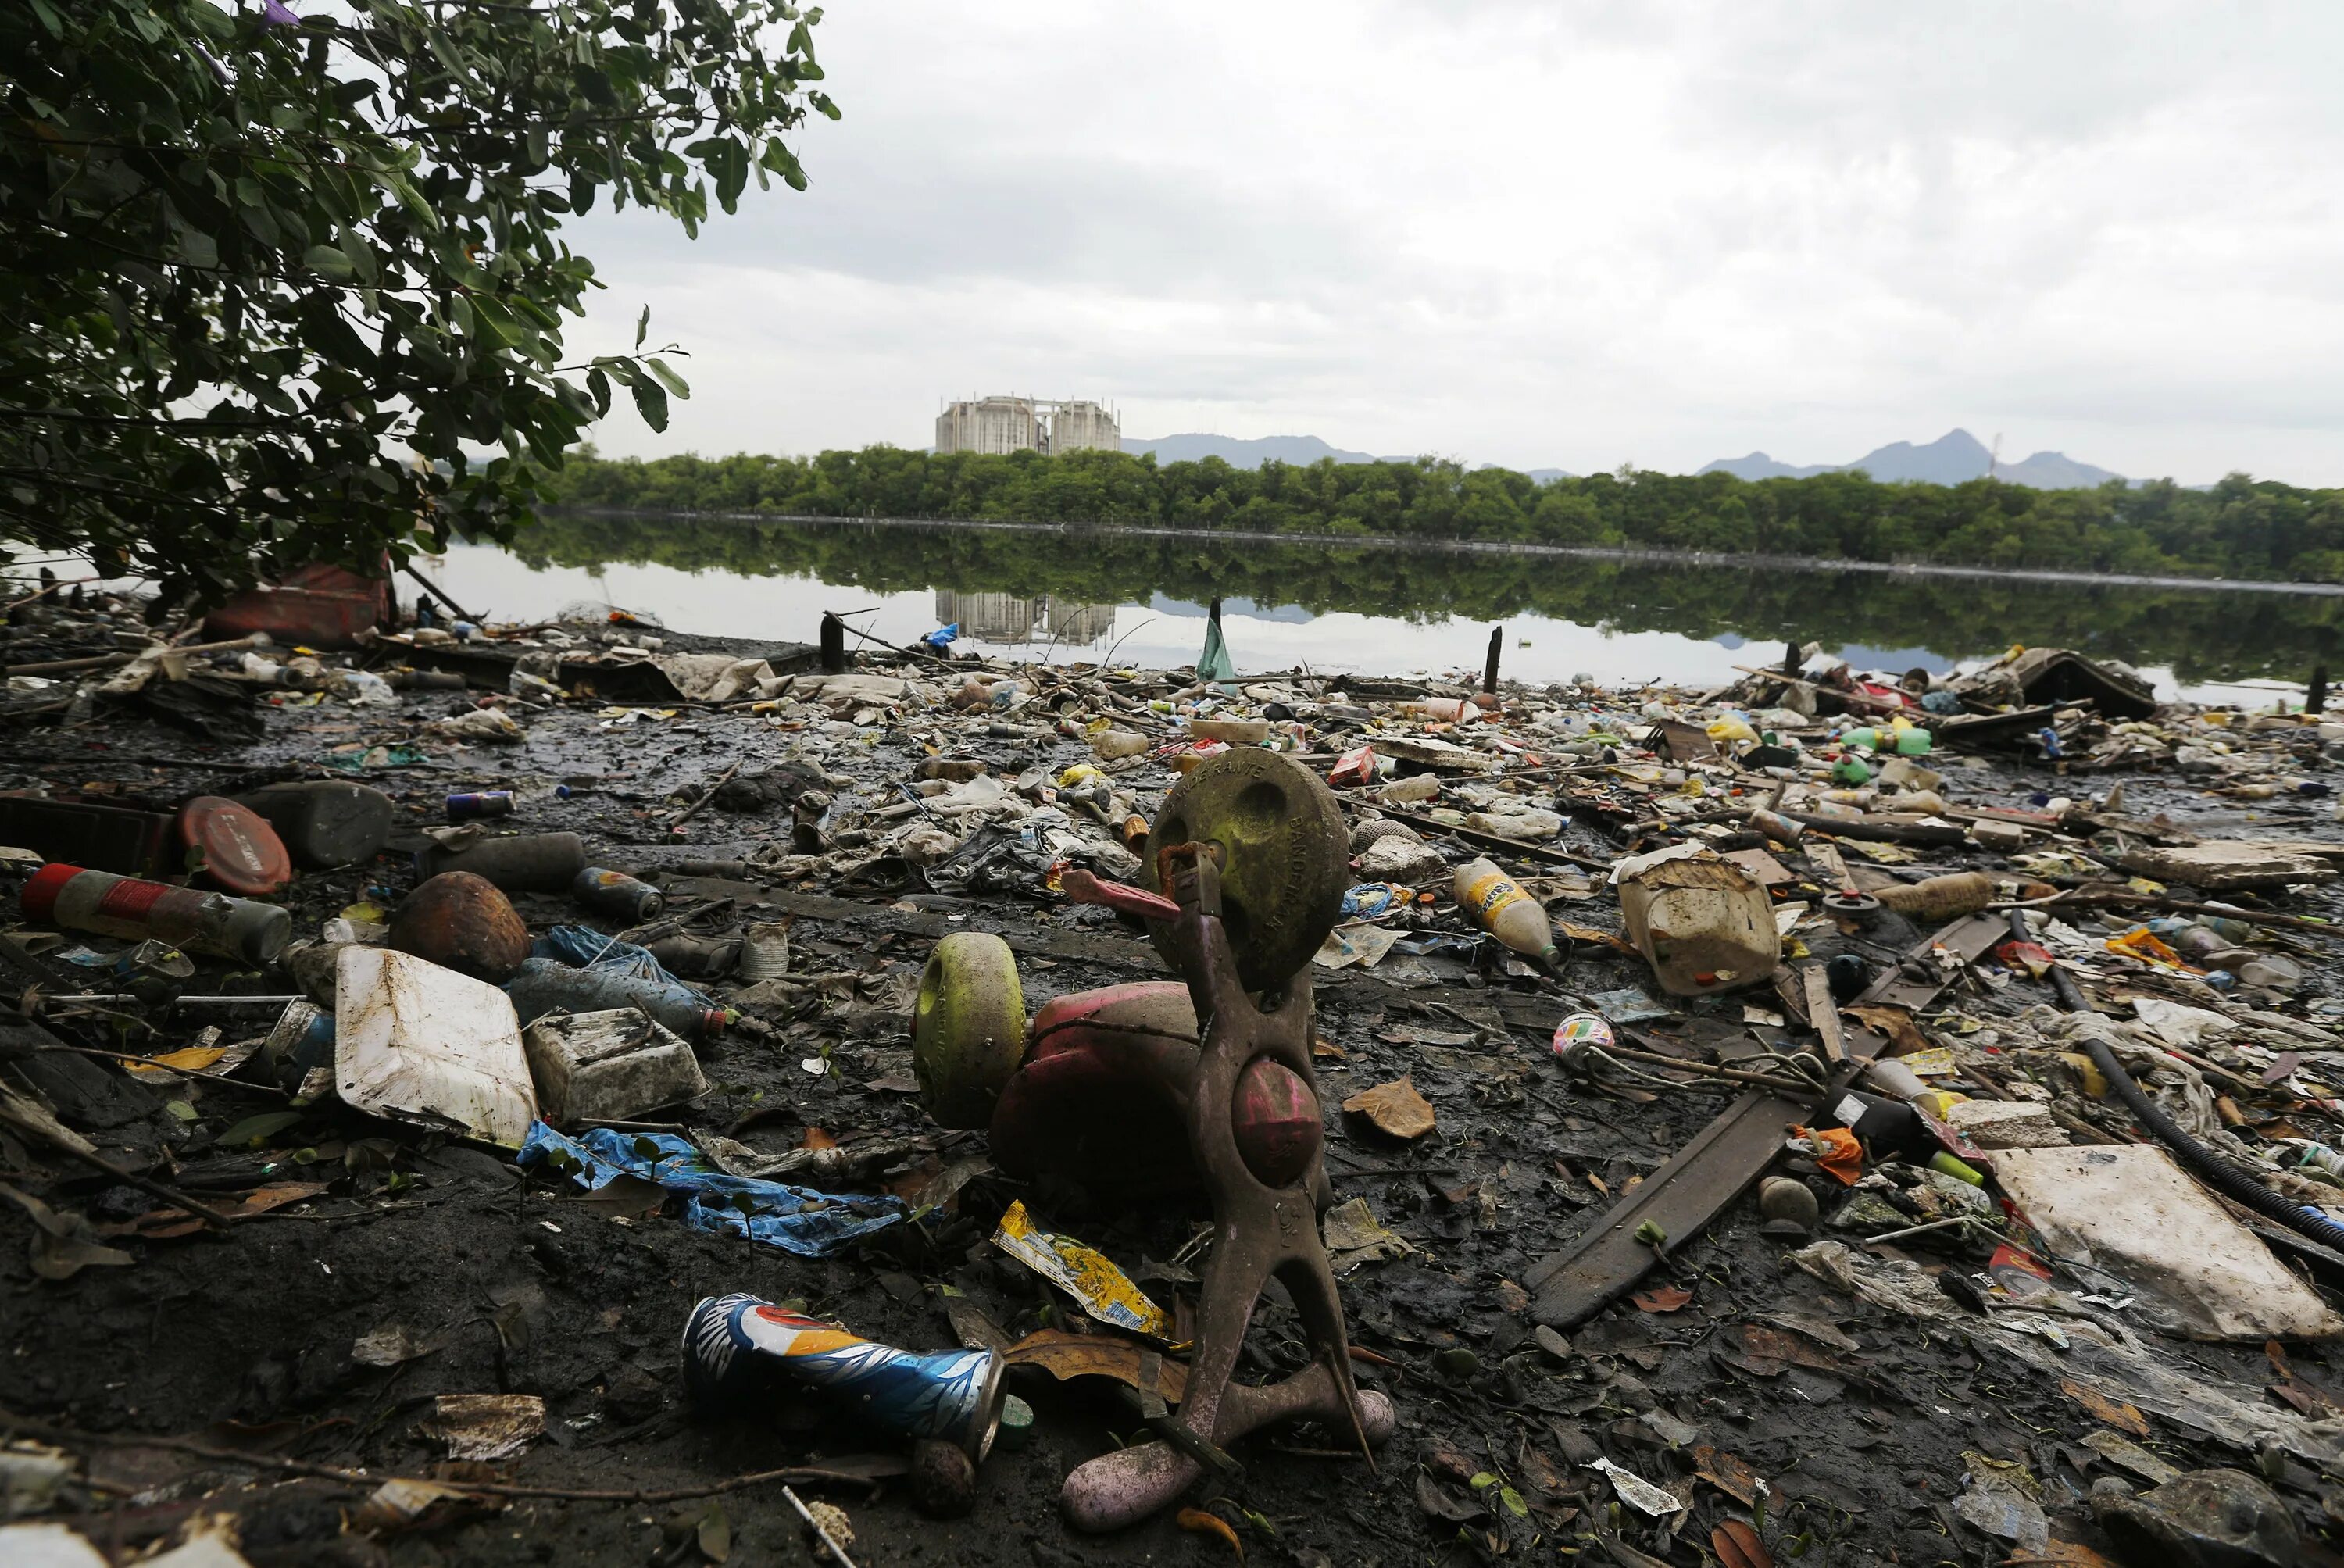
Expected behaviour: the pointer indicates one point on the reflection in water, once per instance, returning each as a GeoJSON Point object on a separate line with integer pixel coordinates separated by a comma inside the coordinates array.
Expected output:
{"type": "Point", "coordinates": [1014, 618]}
{"type": "Point", "coordinates": [1341, 605]}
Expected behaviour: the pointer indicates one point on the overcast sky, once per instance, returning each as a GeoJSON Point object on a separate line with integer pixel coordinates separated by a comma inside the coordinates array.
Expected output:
{"type": "Point", "coordinates": [1541, 235]}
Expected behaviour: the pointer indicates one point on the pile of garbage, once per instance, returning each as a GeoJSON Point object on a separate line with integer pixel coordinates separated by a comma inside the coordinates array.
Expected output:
{"type": "Point", "coordinates": [895, 1071]}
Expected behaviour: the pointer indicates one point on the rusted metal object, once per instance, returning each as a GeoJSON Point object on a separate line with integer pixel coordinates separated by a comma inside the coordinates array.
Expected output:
{"type": "Point", "coordinates": [1260, 1230]}
{"type": "Point", "coordinates": [462, 922]}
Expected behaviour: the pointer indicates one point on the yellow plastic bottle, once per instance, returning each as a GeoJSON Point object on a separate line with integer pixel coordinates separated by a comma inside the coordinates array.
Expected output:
{"type": "Point", "coordinates": [1496, 903]}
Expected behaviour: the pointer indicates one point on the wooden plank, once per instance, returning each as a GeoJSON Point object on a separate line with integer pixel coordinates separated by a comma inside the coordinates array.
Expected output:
{"type": "Point", "coordinates": [1822, 1012]}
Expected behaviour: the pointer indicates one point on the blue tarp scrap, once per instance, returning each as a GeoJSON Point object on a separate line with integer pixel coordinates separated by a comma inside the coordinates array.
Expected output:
{"type": "Point", "coordinates": [944, 636]}
{"type": "Point", "coordinates": [795, 1218]}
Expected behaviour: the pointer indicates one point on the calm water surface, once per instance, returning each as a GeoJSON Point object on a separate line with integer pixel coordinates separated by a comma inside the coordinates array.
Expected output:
{"type": "Point", "coordinates": [1331, 606]}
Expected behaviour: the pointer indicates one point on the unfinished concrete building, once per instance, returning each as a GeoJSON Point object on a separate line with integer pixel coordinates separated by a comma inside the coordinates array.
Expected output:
{"type": "Point", "coordinates": [1011, 424]}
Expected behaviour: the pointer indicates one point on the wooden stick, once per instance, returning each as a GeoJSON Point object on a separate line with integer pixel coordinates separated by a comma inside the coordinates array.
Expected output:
{"type": "Point", "coordinates": [63, 1435]}
{"type": "Point", "coordinates": [90, 1156]}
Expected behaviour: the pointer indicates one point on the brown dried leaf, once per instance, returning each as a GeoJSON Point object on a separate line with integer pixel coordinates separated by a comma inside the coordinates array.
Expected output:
{"type": "Point", "coordinates": [1205, 1523]}
{"type": "Point", "coordinates": [1738, 1546]}
{"type": "Point", "coordinates": [1064, 1356]}
{"type": "Point", "coordinates": [1727, 1473]}
{"type": "Point", "coordinates": [2058, 1554]}
{"type": "Point", "coordinates": [1897, 1023]}
{"type": "Point", "coordinates": [1395, 1109]}
{"type": "Point", "coordinates": [1665, 1299]}
{"type": "Point", "coordinates": [2110, 1412]}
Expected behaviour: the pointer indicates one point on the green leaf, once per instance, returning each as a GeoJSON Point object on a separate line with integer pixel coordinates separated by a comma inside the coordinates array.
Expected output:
{"type": "Point", "coordinates": [252, 1130]}
{"type": "Point", "coordinates": [650, 401]}
{"type": "Point", "coordinates": [325, 260]}
{"type": "Point", "coordinates": [667, 377]}
{"type": "Point", "coordinates": [180, 1110]}
{"type": "Point", "coordinates": [642, 326]}
{"type": "Point", "coordinates": [1513, 1501]}
{"type": "Point", "coordinates": [1482, 1480]}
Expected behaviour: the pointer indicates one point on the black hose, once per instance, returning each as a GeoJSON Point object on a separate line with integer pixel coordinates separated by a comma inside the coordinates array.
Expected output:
{"type": "Point", "coordinates": [2220, 1173]}
{"type": "Point", "coordinates": [2212, 1167]}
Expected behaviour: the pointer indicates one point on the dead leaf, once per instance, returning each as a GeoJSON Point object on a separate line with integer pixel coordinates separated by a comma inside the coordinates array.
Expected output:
{"type": "Point", "coordinates": [1738, 1546]}
{"type": "Point", "coordinates": [161, 1224]}
{"type": "Point", "coordinates": [975, 1330]}
{"type": "Point", "coordinates": [817, 1138]}
{"type": "Point", "coordinates": [623, 1196]}
{"type": "Point", "coordinates": [1767, 1352]}
{"type": "Point", "coordinates": [485, 1426]}
{"type": "Point", "coordinates": [2059, 1554]}
{"type": "Point", "coordinates": [411, 1504]}
{"type": "Point", "coordinates": [194, 1060]}
{"type": "Point", "coordinates": [390, 1345]}
{"type": "Point", "coordinates": [1897, 1023]}
{"type": "Point", "coordinates": [1441, 1503]}
{"type": "Point", "coordinates": [1064, 1356]}
{"type": "Point", "coordinates": [2110, 1412]}
{"type": "Point", "coordinates": [714, 1533]}
{"type": "Point", "coordinates": [63, 1242]}
{"type": "Point", "coordinates": [1611, 939]}
{"type": "Point", "coordinates": [1205, 1523]}
{"type": "Point", "coordinates": [1666, 1299]}
{"type": "Point", "coordinates": [1727, 1473]}
{"type": "Point", "coordinates": [1395, 1109]}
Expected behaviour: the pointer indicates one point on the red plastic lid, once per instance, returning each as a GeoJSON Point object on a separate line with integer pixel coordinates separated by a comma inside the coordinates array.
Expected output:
{"type": "Point", "coordinates": [241, 851]}
{"type": "Point", "coordinates": [38, 898]}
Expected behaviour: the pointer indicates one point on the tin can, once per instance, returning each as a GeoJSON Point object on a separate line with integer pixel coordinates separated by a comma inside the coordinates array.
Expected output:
{"type": "Point", "coordinates": [614, 894]}
{"type": "Point", "coordinates": [1580, 1032]}
{"type": "Point", "coordinates": [480, 804]}
{"type": "Point", "coordinates": [738, 1346]}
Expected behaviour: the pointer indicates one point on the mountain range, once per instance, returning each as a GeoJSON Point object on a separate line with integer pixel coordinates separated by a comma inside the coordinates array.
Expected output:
{"type": "Point", "coordinates": [1951, 459]}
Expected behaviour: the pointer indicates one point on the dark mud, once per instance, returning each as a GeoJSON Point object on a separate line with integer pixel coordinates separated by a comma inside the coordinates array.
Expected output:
{"type": "Point", "coordinates": [244, 1340]}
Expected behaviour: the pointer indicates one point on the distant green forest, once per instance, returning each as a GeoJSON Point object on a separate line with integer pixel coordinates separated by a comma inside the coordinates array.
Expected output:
{"type": "Point", "coordinates": [2240, 528]}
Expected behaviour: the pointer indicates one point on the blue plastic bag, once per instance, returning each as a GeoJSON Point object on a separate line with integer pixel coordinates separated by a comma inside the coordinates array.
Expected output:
{"type": "Point", "coordinates": [795, 1218]}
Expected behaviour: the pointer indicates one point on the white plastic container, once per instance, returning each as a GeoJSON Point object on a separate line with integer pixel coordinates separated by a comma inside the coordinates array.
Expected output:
{"type": "Point", "coordinates": [610, 1066]}
{"type": "Point", "coordinates": [416, 1042]}
{"type": "Point", "coordinates": [1702, 922]}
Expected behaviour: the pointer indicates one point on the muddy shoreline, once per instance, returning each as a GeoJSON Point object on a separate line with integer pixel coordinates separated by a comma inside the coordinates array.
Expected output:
{"type": "Point", "coordinates": [1739, 1363]}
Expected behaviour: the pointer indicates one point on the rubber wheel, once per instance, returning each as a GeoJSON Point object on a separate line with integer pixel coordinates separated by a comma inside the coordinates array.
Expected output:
{"type": "Point", "coordinates": [968, 1028]}
{"type": "Point", "coordinates": [1285, 857]}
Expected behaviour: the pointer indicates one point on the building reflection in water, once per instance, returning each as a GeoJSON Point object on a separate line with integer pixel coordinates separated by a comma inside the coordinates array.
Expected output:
{"type": "Point", "coordinates": [1014, 618]}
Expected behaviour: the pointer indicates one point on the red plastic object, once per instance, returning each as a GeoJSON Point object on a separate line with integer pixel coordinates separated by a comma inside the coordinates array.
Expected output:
{"type": "Point", "coordinates": [314, 606]}
{"type": "Point", "coordinates": [37, 899]}
{"type": "Point", "coordinates": [240, 850]}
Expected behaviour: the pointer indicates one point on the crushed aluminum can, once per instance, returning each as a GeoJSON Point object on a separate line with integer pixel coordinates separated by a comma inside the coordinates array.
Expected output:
{"type": "Point", "coordinates": [736, 1347]}
{"type": "Point", "coordinates": [474, 805]}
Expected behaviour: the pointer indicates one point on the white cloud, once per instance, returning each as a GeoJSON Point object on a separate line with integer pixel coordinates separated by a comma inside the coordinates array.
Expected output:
{"type": "Point", "coordinates": [1539, 235]}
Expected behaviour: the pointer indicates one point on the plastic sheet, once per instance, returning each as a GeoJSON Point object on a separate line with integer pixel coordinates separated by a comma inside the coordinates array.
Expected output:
{"type": "Point", "coordinates": [795, 1218]}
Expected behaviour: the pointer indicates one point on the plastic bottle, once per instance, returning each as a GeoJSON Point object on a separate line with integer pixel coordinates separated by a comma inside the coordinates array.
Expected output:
{"type": "Point", "coordinates": [1492, 900]}
{"type": "Point", "coordinates": [543, 986]}
{"type": "Point", "coordinates": [188, 918]}
{"type": "Point", "coordinates": [1114, 743]}
{"type": "Point", "coordinates": [1852, 770]}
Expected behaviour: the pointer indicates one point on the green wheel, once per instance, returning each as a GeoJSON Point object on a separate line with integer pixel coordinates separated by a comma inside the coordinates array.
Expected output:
{"type": "Point", "coordinates": [1285, 857]}
{"type": "Point", "coordinates": [968, 1028]}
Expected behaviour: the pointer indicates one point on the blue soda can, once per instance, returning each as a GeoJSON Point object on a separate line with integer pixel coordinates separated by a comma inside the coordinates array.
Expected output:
{"type": "Point", "coordinates": [483, 803]}
{"type": "Point", "coordinates": [737, 1347]}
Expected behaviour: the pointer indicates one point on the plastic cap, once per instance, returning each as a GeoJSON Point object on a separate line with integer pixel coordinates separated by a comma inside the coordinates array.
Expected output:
{"type": "Point", "coordinates": [241, 851]}
{"type": "Point", "coordinates": [38, 898]}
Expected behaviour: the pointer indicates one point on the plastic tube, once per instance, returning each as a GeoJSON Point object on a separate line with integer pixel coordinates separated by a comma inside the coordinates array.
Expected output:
{"type": "Point", "coordinates": [2218, 1172]}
